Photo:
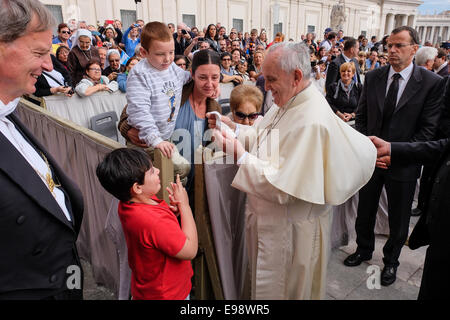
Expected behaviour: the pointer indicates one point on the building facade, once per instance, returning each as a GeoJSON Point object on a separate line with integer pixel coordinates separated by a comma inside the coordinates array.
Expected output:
{"type": "Point", "coordinates": [292, 17]}
{"type": "Point", "coordinates": [434, 28]}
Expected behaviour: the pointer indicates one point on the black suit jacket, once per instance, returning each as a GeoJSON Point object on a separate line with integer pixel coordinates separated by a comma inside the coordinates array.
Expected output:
{"type": "Point", "coordinates": [434, 223]}
{"type": "Point", "coordinates": [416, 115]}
{"type": "Point", "coordinates": [333, 73]}
{"type": "Point", "coordinates": [42, 86]}
{"type": "Point", "coordinates": [444, 71]}
{"type": "Point", "coordinates": [37, 242]}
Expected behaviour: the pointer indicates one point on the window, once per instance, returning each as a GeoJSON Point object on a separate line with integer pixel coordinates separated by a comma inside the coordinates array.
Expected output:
{"type": "Point", "coordinates": [238, 24]}
{"type": "Point", "coordinates": [311, 29]}
{"type": "Point", "coordinates": [277, 27]}
{"type": "Point", "coordinates": [364, 33]}
{"type": "Point", "coordinates": [57, 13]}
{"type": "Point", "coordinates": [189, 19]}
{"type": "Point", "coordinates": [128, 18]}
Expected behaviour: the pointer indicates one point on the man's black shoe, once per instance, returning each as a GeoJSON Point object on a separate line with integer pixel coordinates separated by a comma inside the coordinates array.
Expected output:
{"type": "Point", "coordinates": [416, 212]}
{"type": "Point", "coordinates": [356, 259]}
{"type": "Point", "coordinates": [388, 275]}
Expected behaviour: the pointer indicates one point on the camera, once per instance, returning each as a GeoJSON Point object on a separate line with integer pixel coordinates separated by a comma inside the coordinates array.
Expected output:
{"type": "Point", "coordinates": [201, 39]}
{"type": "Point", "coordinates": [313, 63]}
{"type": "Point", "coordinates": [183, 31]}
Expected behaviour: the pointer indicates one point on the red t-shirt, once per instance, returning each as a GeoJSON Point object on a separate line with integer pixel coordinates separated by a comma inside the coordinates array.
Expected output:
{"type": "Point", "coordinates": [153, 237]}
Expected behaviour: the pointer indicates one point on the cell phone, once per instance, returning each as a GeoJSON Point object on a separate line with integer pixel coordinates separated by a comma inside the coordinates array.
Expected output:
{"type": "Point", "coordinates": [183, 31]}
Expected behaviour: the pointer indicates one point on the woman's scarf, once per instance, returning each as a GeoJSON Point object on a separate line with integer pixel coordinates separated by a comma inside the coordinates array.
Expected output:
{"type": "Point", "coordinates": [345, 89]}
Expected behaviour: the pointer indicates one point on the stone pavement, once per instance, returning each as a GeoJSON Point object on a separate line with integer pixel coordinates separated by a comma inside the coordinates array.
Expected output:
{"type": "Point", "coordinates": [343, 283]}
{"type": "Point", "coordinates": [350, 283]}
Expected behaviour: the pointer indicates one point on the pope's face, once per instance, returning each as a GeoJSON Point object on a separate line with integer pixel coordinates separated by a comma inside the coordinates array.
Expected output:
{"type": "Point", "coordinates": [22, 61]}
{"type": "Point", "coordinates": [278, 81]}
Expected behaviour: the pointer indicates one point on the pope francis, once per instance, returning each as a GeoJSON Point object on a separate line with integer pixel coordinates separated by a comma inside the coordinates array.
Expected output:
{"type": "Point", "coordinates": [302, 160]}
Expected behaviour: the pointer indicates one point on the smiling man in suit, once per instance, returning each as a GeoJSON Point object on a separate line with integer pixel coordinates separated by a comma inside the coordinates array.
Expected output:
{"type": "Point", "coordinates": [399, 103]}
{"type": "Point", "coordinates": [40, 207]}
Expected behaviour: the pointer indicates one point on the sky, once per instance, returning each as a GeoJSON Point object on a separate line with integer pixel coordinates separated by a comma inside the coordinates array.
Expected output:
{"type": "Point", "coordinates": [429, 6]}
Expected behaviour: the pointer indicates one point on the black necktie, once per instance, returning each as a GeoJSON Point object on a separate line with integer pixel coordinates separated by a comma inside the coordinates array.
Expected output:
{"type": "Point", "coordinates": [389, 106]}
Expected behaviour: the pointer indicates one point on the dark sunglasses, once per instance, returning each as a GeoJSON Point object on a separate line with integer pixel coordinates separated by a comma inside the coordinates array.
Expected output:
{"type": "Point", "coordinates": [68, 32]}
{"type": "Point", "coordinates": [242, 116]}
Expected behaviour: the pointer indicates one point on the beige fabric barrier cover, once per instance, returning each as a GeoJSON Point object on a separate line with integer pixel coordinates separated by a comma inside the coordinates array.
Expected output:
{"type": "Point", "coordinates": [227, 212]}
{"type": "Point", "coordinates": [78, 151]}
{"type": "Point", "coordinates": [80, 109]}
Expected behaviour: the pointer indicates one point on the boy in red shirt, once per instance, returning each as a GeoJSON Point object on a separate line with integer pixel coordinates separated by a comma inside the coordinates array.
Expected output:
{"type": "Point", "coordinates": [159, 249]}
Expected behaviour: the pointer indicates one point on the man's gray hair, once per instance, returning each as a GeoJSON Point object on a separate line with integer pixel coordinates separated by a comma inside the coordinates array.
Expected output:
{"type": "Point", "coordinates": [16, 15]}
{"type": "Point", "coordinates": [424, 54]}
{"type": "Point", "coordinates": [294, 55]}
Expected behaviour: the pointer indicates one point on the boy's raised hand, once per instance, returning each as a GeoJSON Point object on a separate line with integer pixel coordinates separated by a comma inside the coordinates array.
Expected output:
{"type": "Point", "coordinates": [177, 195]}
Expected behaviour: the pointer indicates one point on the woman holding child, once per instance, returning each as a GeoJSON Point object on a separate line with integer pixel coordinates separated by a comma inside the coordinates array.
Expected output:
{"type": "Point", "coordinates": [196, 101]}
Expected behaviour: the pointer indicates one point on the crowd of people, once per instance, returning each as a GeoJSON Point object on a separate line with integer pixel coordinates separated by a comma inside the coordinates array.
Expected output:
{"type": "Point", "coordinates": [303, 93]}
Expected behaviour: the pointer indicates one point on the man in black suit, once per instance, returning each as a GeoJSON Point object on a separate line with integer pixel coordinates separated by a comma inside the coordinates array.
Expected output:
{"type": "Point", "coordinates": [399, 103]}
{"type": "Point", "coordinates": [440, 65]}
{"type": "Point", "coordinates": [41, 209]}
{"type": "Point", "coordinates": [432, 227]}
{"type": "Point", "coordinates": [351, 49]}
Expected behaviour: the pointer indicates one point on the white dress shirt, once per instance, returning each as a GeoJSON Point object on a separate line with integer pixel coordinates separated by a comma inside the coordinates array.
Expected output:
{"type": "Point", "coordinates": [405, 75]}
{"type": "Point", "coordinates": [8, 129]}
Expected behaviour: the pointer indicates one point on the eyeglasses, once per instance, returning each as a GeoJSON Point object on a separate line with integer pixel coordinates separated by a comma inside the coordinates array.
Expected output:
{"type": "Point", "coordinates": [242, 116]}
{"type": "Point", "coordinates": [67, 32]}
{"type": "Point", "coordinates": [180, 64]}
{"type": "Point", "coordinates": [226, 59]}
{"type": "Point", "coordinates": [115, 60]}
{"type": "Point", "coordinates": [399, 45]}
{"type": "Point", "coordinates": [95, 69]}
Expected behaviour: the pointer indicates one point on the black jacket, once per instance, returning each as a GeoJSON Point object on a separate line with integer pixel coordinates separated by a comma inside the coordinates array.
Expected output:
{"type": "Point", "coordinates": [416, 115]}
{"type": "Point", "coordinates": [434, 224]}
{"type": "Point", "coordinates": [42, 86]}
{"type": "Point", "coordinates": [343, 103]}
{"type": "Point", "coordinates": [333, 73]}
{"type": "Point", "coordinates": [37, 241]}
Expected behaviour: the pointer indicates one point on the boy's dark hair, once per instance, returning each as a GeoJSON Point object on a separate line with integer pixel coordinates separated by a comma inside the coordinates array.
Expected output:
{"type": "Point", "coordinates": [122, 168]}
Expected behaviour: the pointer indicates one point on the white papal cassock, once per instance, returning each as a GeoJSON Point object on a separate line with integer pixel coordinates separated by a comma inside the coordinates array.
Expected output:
{"type": "Point", "coordinates": [322, 162]}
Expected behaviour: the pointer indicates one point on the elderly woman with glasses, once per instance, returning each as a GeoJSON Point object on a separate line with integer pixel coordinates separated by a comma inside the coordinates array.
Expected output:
{"type": "Point", "coordinates": [245, 104]}
{"type": "Point", "coordinates": [114, 68]}
{"type": "Point", "coordinates": [81, 54]}
{"type": "Point", "coordinates": [93, 81]}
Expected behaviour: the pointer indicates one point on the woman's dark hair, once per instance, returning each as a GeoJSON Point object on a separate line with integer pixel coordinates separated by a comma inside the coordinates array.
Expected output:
{"type": "Point", "coordinates": [216, 37]}
{"type": "Point", "coordinates": [205, 57]}
{"type": "Point", "coordinates": [90, 63]}
{"type": "Point", "coordinates": [60, 48]}
{"type": "Point", "coordinates": [122, 168]}
{"type": "Point", "coordinates": [180, 56]}
{"type": "Point", "coordinates": [239, 50]}
{"type": "Point", "coordinates": [225, 54]}
{"type": "Point", "coordinates": [129, 61]}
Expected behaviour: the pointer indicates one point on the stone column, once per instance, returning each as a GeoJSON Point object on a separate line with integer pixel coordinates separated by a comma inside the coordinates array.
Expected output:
{"type": "Point", "coordinates": [431, 39]}
{"type": "Point", "coordinates": [404, 20]}
{"type": "Point", "coordinates": [390, 23]}
{"type": "Point", "coordinates": [411, 21]}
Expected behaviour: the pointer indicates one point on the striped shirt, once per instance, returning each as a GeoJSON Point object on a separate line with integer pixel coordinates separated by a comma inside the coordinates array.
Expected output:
{"type": "Point", "coordinates": [153, 98]}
